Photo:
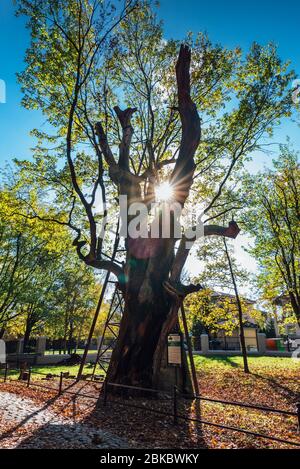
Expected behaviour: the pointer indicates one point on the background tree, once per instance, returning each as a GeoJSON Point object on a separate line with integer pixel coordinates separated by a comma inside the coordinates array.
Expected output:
{"type": "Point", "coordinates": [219, 313]}
{"type": "Point", "coordinates": [79, 86]}
{"type": "Point", "coordinates": [58, 300]}
{"type": "Point", "coordinates": [74, 302]}
{"type": "Point", "coordinates": [35, 302]}
{"type": "Point", "coordinates": [227, 313]}
{"type": "Point", "coordinates": [273, 220]}
{"type": "Point", "coordinates": [40, 272]}
{"type": "Point", "coordinates": [215, 273]}
{"type": "Point", "coordinates": [20, 257]}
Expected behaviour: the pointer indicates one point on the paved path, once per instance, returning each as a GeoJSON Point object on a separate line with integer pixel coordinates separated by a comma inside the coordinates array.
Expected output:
{"type": "Point", "coordinates": [25, 423]}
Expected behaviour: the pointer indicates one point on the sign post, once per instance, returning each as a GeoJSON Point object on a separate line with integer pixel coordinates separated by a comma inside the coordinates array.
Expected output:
{"type": "Point", "coordinates": [174, 349]}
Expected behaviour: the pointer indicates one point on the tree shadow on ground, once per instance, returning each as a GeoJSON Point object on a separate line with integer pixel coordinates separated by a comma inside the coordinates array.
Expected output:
{"type": "Point", "coordinates": [224, 360]}
{"type": "Point", "coordinates": [71, 435]}
{"type": "Point", "coordinates": [149, 423]}
{"type": "Point", "coordinates": [26, 420]}
{"type": "Point", "coordinates": [231, 362]}
{"type": "Point", "coordinates": [283, 390]}
{"type": "Point", "coordinates": [30, 416]}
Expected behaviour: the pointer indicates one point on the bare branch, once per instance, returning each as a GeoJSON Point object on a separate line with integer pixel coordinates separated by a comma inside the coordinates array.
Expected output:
{"type": "Point", "coordinates": [125, 121]}
{"type": "Point", "coordinates": [185, 245]}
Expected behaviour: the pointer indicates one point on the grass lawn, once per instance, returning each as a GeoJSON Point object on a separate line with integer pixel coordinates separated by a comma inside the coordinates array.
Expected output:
{"type": "Point", "coordinates": [216, 371]}
{"type": "Point", "coordinates": [39, 371]}
{"type": "Point", "coordinates": [273, 381]}
{"type": "Point", "coordinates": [256, 364]}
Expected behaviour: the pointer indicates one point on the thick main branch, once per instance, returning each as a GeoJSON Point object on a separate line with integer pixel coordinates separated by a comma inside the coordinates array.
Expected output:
{"type": "Point", "coordinates": [182, 176]}
{"type": "Point", "coordinates": [185, 245]}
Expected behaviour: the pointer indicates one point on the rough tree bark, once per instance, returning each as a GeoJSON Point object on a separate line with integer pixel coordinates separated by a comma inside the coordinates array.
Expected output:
{"type": "Point", "coordinates": [30, 321]}
{"type": "Point", "coordinates": [27, 338]}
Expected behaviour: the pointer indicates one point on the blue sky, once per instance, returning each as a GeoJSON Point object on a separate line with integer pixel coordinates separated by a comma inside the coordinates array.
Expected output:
{"type": "Point", "coordinates": [238, 23]}
{"type": "Point", "coordinates": [228, 22]}
{"type": "Point", "coordinates": [15, 122]}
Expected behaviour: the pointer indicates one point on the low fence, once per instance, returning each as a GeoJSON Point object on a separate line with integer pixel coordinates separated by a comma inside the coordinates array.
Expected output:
{"type": "Point", "coordinates": [177, 416]}
{"type": "Point", "coordinates": [174, 399]}
{"type": "Point", "coordinates": [16, 359]}
{"type": "Point", "coordinates": [229, 346]}
{"type": "Point", "coordinates": [62, 346]}
{"type": "Point", "coordinates": [12, 346]}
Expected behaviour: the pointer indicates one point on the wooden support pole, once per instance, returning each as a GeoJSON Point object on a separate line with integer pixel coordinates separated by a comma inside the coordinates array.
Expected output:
{"type": "Point", "coordinates": [60, 383]}
{"type": "Point", "coordinates": [96, 315]}
{"type": "Point", "coordinates": [92, 329]}
{"type": "Point", "coordinates": [6, 372]}
{"type": "Point", "coordinates": [190, 351]}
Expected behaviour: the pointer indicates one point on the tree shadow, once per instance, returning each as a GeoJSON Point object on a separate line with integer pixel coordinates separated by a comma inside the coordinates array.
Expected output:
{"type": "Point", "coordinates": [231, 362]}
{"type": "Point", "coordinates": [67, 436]}
{"type": "Point", "coordinates": [30, 416]}
{"type": "Point", "coordinates": [225, 359]}
{"type": "Point", "coordinates": [55, 433]}
{"type": "Point", "coordinates": [150, 421]}
{"type": "Point", "coordinates": [199, 426]}
{"type": "Point", "coordinates": [23, 422]}
{"type": "Point", "coordinates": [295, 396]}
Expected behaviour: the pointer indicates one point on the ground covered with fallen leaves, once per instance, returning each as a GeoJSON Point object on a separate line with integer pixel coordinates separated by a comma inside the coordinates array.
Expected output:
{"type": "Point", "coordinates": [33, 417]}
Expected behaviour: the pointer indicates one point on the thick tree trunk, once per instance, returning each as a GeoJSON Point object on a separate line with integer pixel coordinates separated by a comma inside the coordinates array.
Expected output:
{"type": "Point", "coordinates": [295, 302]}
{"type": "Point", "coordinates": [147, 307]}
{"type": "Point", "coordinates": [70, 339]}
{"type": "Point", "coordinates": [133, 360]}
{"type": "Point", "coordinates": [27, 336]}
{"type": "Point", "coordinates": [151, 313]}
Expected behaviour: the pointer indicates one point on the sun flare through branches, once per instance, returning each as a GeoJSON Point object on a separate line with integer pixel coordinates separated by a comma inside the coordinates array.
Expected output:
{"type": "Point", "coordinates": [164, 192]}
